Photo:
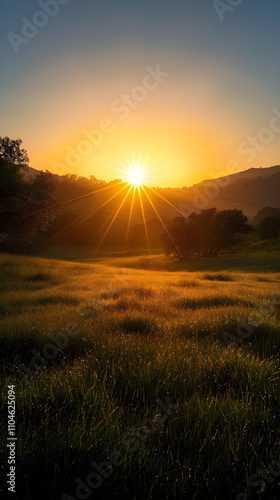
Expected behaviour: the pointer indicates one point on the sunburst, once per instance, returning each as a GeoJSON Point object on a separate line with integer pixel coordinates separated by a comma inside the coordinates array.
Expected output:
{"type": "Point", "coordinates": [137, 172]}
{"type": "Point", "coordinates": [137, 175]}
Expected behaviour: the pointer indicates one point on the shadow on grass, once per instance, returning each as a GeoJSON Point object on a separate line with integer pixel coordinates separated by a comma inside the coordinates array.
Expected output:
{"type": "Point", "coordinates": [138, 325]}
{"type": "Point", "coordinates": [209, 302]}
{"type": "Point", "coordinates": [218, 277]}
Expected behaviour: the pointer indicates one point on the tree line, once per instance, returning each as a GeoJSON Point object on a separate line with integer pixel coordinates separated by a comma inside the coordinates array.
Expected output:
{"type": "Point", "coordinates": [205, 234]}
{"type": "Point", "coordinates": [29, 205]}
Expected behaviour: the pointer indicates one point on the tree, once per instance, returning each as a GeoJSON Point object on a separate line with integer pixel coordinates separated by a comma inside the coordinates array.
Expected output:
{"type": "Point", "coordinates": [13, 154]}
{"type": "Point", "coordinates": [204, 234]}
{"type": "Point", "coordinates": [97, 182]}
{"type": "Point", "coordinates": [176, 241]}
{"type": "Point", "coordinates": [268, 228]}
{"type": "Point", "coordinates": [94, 179]}
{"type": "Point", "coordinates": [70, 177]}
{"type": "Point", "coordinates": [228, 227]}
{"type": "Point", "coordinates": [27, 204]}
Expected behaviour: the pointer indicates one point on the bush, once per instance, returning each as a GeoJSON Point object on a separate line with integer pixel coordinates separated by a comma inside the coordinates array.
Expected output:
{"type": "Point", "coordinates": [268, 228]}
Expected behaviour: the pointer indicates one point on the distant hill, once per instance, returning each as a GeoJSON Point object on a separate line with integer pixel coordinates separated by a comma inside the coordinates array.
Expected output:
{"type": "Point", "coordinates": [266, 212]}
{"type": "Point", "coordinates": [90, 205]}
{"type": "Point", "coordinates": [250, 190]}
{"type": "Point", "coordinates": [32, 172]}
{"type": "Point", "coordinates": [247, 175]}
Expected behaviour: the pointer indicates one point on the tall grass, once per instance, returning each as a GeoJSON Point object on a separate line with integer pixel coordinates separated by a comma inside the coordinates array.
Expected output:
{"type": "Point", "coordinates": [153, 335]}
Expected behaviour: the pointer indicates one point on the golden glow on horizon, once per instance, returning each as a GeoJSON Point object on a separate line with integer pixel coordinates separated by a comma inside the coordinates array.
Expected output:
{"type": "Point", "coordinates": [186, 155]}
{"type": "Point", "coordinates": [134, 186]}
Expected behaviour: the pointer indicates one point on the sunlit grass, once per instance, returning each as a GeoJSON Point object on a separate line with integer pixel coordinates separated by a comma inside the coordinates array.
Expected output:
{"type": "Point", "coordinates": [152, 335]}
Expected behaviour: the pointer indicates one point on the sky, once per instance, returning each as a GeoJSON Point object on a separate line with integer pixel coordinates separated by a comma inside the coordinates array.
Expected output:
{"type": "Point", "coordinates": [190, 87]}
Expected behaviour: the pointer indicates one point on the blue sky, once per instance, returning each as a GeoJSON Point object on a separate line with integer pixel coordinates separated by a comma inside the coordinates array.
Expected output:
{"type": "Point", "coordinates": [225, 73]}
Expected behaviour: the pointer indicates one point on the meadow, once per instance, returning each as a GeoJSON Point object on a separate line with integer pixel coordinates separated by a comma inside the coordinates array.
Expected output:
{"type": "Point", "coordinates": [176, 371]}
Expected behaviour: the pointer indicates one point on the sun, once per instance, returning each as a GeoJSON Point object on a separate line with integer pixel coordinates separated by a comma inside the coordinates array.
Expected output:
{"type": "Point", "coordinates": [136, 176]}
{"type": "Point", "coordinates": [137, 172]}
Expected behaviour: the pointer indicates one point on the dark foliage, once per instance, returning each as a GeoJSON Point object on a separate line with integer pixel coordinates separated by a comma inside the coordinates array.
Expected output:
{"type": "Point", "coordinates": [27, 204]}
{"type": "Point", "coordinates": [268, 228]}
{"type": "Point", "coordinates": [205, 234]}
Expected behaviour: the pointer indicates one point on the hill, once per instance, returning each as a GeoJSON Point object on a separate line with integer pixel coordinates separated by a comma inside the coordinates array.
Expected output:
{"type": "Point", "coordinates": [246, 175]}
{"type": "Point", "coordinates": [266, 212]}
{"type": "Point", "coordinates": [90, 205]}
{"type": "Point", "coordinates": [249, 191]}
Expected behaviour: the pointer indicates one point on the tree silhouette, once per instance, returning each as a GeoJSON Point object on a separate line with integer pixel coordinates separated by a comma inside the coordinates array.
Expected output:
{"type": "Point", "coordinates": [268, 228]}
{"type": "Point", "coordinates": [27, 204]}
{"type": "Point", "coordinates": [205, 234]}
{"type": "Point", "coordinates": [13, 154]}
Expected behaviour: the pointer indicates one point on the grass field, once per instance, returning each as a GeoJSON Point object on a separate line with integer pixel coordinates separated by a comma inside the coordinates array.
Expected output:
{"type": "Point", "coordinates": [169, 376]}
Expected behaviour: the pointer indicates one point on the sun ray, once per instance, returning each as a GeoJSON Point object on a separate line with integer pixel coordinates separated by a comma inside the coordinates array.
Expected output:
{"type": "Point", "coordinates": [82, 218]}
{"type": "Point", "coordinates": [118, 170]}
{"type": "Point", "coordinates": [93, 192]}
{"type": "Point", "coordinates": [114, 218]}
{"type": "Point", "coordinates": [166, 201]}
{"type": "Point", "coordinates": [151, 182]}
{"type": "Point", "coordinates": [128, 161]}
{"type": "Point", "coordinates": [184, 215]}
{"type": "Point", "coordinates": [144, 218]}
{"type": "Point", "coordinates": [149, 166]}
{"type": "Point", "coordinates": [124, 166]}
{"type": "Point", "coordinates": [145, 161]}
{"type": "Point", "coordinates": [76, 198]}
{"type": "Point", "coordinates": [159, 217]}
{"type": "Point", "coordinates": [140, 156]}
{"type": "Point", "coordinates": [154, 177]}
{"type": "Point", "coordinates": [151, 171]}
{"type": "Point", "coordinates": [133, 158]}
{"type": "Point", "coordinates": [130, 215]}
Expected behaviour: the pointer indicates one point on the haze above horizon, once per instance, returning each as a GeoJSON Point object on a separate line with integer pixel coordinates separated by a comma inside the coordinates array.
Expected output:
{"type": "Point", "coordinates": [192, 87]}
